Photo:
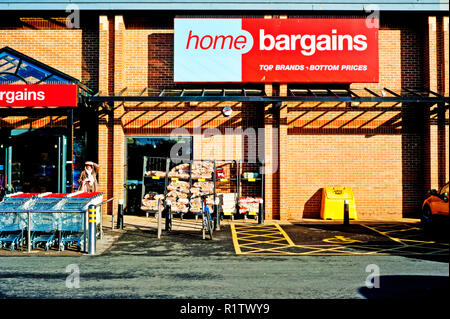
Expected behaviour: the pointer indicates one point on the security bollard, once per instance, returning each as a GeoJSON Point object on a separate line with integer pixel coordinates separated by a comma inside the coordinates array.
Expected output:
{"type": "Point", "coordinates": [216, 211]}
{"type": "Point", "coordinates": [261, 212]}
{"type": "Point", "coordinates": [168, 216]}
{"type": "Point", "coordinates": [92, 219]}
{"type": "Point", "coordinates": [159, 218]}
{"type": "Point", "coordinates": [120, 214]}
{"type": "Point", "coordinates": [346, 213]}
{"type": "Point", "coordinates": [203, 220]}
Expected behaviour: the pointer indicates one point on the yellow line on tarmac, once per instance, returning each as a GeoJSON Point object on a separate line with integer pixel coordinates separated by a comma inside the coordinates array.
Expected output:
{"type": "Point", "coordinates": [288, 239]}
{"type": "Point", "coordinates": [384, 234]}
{"type": "Point", "coordinates": [237, 249]}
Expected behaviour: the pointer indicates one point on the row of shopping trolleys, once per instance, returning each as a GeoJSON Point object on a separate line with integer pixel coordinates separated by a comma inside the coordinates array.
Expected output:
{"type": "Point", "coordinates": [46, 220]}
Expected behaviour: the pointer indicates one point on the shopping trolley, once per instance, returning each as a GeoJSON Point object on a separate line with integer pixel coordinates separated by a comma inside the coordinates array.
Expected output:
{"type": "Point", "coordinates": [11, 230]}
{"type": "Point", "coordinates": [44, 224]}
{"type": "Point", "coordinates": [72, 225]}
{"type": "Point", "coordinates": [72, 230]}
{"type": "Point", "coordinates": [12, 222]}
{"type": "Point", "coordinates": [43, 230]}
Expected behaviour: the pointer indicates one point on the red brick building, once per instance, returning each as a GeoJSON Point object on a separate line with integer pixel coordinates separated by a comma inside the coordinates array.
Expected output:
{"type": "Point", "coordinates": [390, 153]}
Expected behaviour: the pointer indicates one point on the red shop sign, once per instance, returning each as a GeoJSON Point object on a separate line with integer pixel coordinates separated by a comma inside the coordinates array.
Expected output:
{"type": "Point", "coordinates": [276, 50]}
{"type": "Point", "coordinates": [23, 95]}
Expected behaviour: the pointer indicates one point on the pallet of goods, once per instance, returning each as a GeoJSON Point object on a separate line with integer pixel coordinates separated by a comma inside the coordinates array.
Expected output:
{"type": "Point", "coordinates": [249, 205]}
{"type": "Point", "coordinates": [183, 196]}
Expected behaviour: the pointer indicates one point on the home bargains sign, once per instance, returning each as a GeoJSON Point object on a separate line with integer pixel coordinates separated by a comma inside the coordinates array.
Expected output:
{"type": "Point", "coordinates": [276, 50]}
{"type": "Point", "coordinates": [21, 95]}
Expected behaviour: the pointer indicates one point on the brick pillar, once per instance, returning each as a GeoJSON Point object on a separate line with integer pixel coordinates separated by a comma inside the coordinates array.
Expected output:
{"type": "Point", "coordinates": [431, 75]}
{"type": "Point", "coordinates": [432, 54]}
{"type": "Point", "coordinates": [446, 92]}
{"type": "Point", "coordinates": [442, 88]}
{"type": "Point", "coordinates": [283, 149]}
{"type": "Point", "coordinates": [445, 41]}
{"type": "Point", "coordinates": [272, 182]}
{"type": "Point", "coordinates": [118, 160]}
{"type": "Point", "coordinates": [104, 137]}
{"type": "Point", "coordinates": [437, 75]}
{"type": "Point", "coordinates": [271, 185]}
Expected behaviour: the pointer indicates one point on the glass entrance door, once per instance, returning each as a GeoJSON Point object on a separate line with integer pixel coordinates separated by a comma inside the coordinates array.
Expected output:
{"type": "Point", "coordinates": [137, 148]}
{"type": "Point", "coordinates": [38, 163]}
{"type": "Point", "coordinates": [5, 167]}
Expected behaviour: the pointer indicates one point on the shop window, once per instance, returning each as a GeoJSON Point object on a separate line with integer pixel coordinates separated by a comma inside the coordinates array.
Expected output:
{"type": "Point", "coordinates": [137, 148]}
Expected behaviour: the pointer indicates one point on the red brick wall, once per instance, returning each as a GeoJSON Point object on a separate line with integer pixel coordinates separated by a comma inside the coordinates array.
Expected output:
{"type": "Point", "coordinates": [46, 39]}
{"type": "Point", "coordinates": [380, 158]}
{"type": "Point", "coordinates": [382, 154]}
{"type": "Point", "coordinates": [379, 153]}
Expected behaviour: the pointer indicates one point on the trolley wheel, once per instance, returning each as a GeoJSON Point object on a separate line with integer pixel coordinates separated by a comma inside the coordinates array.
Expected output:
{"type": "Point", "coordinates": [11, 247]}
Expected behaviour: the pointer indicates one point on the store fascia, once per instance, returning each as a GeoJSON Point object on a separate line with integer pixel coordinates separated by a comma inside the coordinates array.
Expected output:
{"type": "Point", "coordinates": [38, 108]}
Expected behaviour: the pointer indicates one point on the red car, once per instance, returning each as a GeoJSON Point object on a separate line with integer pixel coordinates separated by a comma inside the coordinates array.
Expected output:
{"type": "Point", "coordinates": [435, 206]}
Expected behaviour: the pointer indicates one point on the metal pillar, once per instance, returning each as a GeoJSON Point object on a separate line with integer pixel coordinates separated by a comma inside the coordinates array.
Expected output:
{"type": "Point", "coordinates": [346, 213]}
{"type": "Point", "coordinates": [29, 232]}
{"type": "Point", "coordinates": [159, 218]}
{"type": "Point", "coordinates": [261, 212]}
{"type": "Point", "coordinates": [168, 216]}
{"type": "Point", "coordinates": [217, 214]}
{"type": "Point", "coordinates": [92, 218]}
{"type": "Point", "coordinates": [120, 214]}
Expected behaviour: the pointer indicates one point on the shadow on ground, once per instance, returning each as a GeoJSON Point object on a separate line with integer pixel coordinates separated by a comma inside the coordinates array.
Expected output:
{"type": "Point", "coordinates": [408, 287]}
{"type": "Point", "coordinates": [398, 239]}
{"type": "Point", "coordinates": [144, 242]}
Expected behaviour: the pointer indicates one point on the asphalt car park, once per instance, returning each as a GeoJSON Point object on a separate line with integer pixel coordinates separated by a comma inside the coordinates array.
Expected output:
{"type": "Point", "coordinates": [294, 239]}
{"type": "Point", "coordinates": [319, 260]}
{"type": "Point", "coordinates": [139, 238]}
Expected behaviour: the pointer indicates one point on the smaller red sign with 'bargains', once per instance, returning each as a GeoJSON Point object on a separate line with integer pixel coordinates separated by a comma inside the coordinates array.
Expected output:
{"type": "Point", "coordinates": [19, 95]}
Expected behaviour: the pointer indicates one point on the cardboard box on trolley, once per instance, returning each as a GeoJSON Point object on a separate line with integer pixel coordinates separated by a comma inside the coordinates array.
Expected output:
{"type": "Point", "coordinates": [333, 203]}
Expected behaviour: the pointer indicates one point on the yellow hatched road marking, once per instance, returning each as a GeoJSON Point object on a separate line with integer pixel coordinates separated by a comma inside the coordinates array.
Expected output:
{"type": "Point", "coordinates": [237, 248]}
{"type": "Point", "coordinates": [285, 235]}
{"type": "Point", "coordinates": [249, 236]}
{"type": "Point", "coordinates": [271, 234]}
{"type": "Point", "coordinates": [384, 234]}
{"type": "Point", "coordinates": [263, 242]}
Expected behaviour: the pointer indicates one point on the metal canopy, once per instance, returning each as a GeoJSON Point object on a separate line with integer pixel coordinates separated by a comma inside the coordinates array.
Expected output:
{"type": "Point", "coordinates": [406, 95]}
{"type": "Point", "coordinates": [18, 68]}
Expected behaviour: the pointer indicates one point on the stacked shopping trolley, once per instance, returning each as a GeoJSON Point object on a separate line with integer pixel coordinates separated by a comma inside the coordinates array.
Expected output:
{"type": "Point", "coordinates": [46, 220]}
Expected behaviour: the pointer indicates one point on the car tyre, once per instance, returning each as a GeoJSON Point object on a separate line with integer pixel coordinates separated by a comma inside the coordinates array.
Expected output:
{"type": "Point", "coordinates": [427, 219]}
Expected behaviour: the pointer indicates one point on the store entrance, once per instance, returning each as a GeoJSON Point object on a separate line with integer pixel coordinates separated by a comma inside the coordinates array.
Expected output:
{"type": "Point", "coordinates": [33, 162]}
{"type": "Point", "coordinates": [137, 148]}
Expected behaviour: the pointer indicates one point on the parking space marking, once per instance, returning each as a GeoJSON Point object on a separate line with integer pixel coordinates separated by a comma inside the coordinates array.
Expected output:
{"type": "Point", "coordinates": [273, 237]}
{"type": "Point", "coordinates": [341, 240]}
{"type": "Point", "coordinates": [288, 239]}
{"type": "Point", "coordinates": [402, 239]}
{"type": "Point", "coordinates": [273, 240]}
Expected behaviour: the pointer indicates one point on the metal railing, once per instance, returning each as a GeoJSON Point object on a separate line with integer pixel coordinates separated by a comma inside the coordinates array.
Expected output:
{"type": "Point", "coordinates": [28, 228]}
{"type": "Point", "coordinates": [85, 223]}
{"type": "Point", "coordinates": [101, 214]}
